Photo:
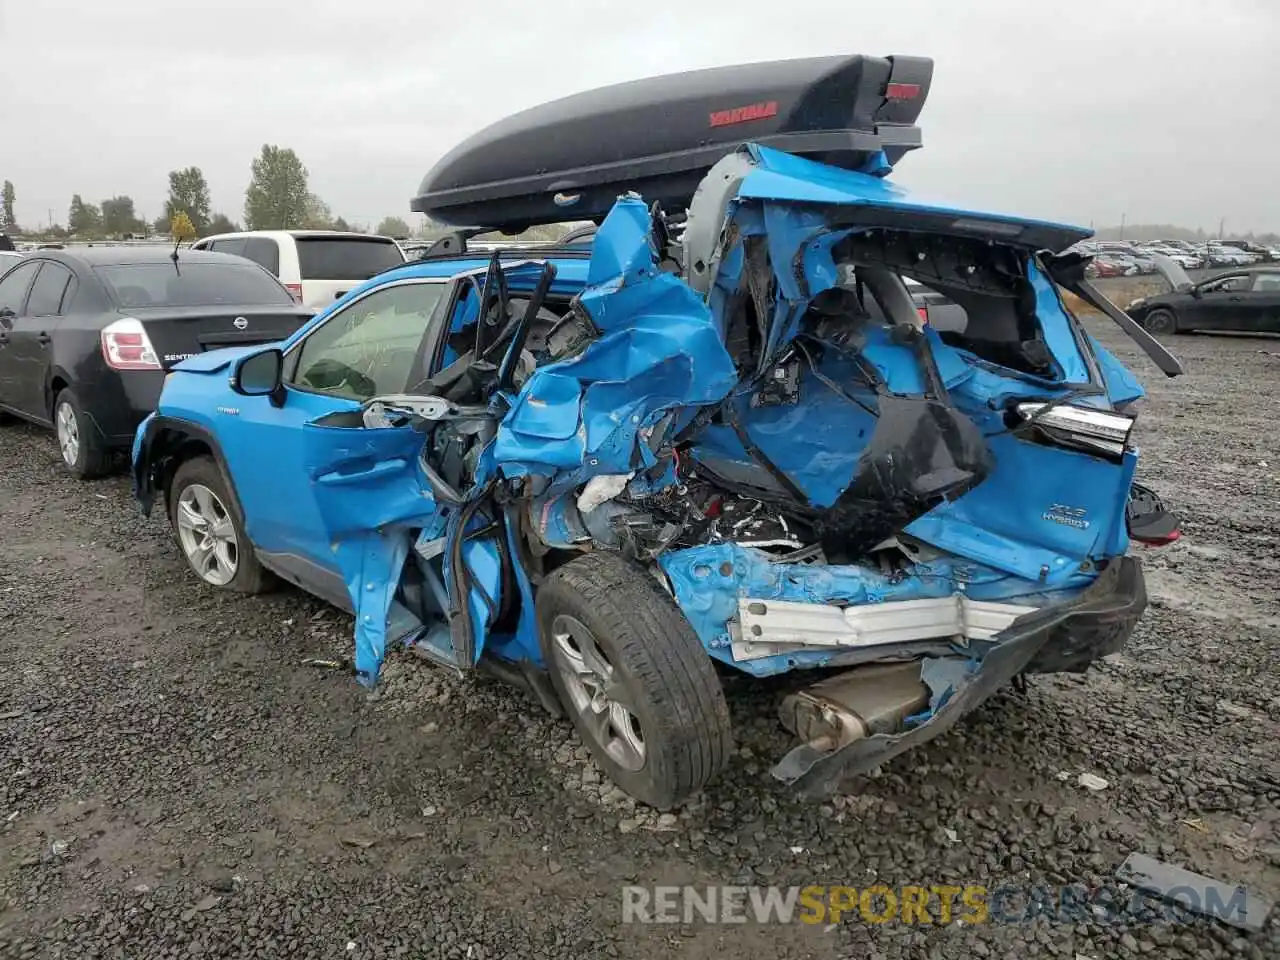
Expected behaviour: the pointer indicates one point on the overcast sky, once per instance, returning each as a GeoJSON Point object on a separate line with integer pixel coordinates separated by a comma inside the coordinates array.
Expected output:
{"type": "Point", "coordinates": [1162, 110]}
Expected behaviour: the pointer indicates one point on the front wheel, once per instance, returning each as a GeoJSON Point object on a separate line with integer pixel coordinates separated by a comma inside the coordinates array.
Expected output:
{"type": "Point", "coordinates": [209, 529]}
{"type": "Point", "coordinates": [1161, 321]}
{"type": "Point", "coordinates": [634, 678]}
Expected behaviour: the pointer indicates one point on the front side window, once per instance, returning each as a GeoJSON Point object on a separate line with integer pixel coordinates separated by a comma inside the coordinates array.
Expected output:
{"type": "Point", "coordinates": [13, 288]}
{"type": "Point", "coordinates": [369, 347]}
{"type": "Point", "coordinates": [1230, 285]}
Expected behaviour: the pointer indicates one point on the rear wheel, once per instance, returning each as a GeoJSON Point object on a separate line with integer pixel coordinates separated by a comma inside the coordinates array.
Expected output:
{"type": "Point", "coordinates": [634, 678]}
{"type": "Point", "coordinates": [209, 529]}
{"type": "Point", "coordinates": [1161, 320]}
{"type": "Point", "coordinates": [82, 448]}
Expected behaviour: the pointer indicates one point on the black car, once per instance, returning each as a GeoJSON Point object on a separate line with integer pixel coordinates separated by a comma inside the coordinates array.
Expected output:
{"type": "Point", "coordinates": [1246, 300]}
{"type": "Point", "coordinates": [87, 335]}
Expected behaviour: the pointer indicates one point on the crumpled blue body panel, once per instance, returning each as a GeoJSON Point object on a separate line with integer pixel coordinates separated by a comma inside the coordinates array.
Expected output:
{"type": "Point", "coordinates": [370, 495]}
{"type": "Point", "coordinates": [1004, 537]}
{"type": "Point", "coordinates": [659, 356]}
{"type": "Point", "coordinates": [659, 353]}
{"type": "Point", "coordinates": [374, 498]}
{"type": "Point", "coordinates": [786, 178]}
{"type": "Point", "coordinates": [709, 580]}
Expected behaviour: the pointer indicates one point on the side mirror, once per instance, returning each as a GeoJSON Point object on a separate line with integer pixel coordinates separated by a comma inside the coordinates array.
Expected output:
{"type": "Point", "coordinates": [1197, 292]}
{"type": "Point", "coordinates": [260, 375]}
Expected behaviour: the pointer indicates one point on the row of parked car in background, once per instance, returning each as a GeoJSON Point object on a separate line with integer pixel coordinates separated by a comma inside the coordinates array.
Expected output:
{"type": "Point", "coordinates": [1119, 258]}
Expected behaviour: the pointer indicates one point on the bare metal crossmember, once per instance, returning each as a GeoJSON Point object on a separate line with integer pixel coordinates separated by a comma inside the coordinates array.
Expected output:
{"type": "Point", "coordinates": [769, 627]}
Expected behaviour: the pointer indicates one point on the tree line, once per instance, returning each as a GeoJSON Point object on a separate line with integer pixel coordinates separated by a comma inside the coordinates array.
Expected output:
{"type": "Point", "coordinates": [278, 198]}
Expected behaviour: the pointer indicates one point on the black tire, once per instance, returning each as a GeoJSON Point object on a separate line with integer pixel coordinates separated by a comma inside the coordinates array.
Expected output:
{"type": "Point", "coordinates": [93, 458]}
{"type": "Point", "coordinates": [250, 575]}
{"type": "Point", "coordinates": [659, 665]}
{"type": "Point", "coordinates": [1161, 320]}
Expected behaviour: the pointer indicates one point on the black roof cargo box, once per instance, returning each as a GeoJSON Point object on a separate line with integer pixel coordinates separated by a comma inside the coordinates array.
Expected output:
{"type": "Point", "coordinates": [571, 158]}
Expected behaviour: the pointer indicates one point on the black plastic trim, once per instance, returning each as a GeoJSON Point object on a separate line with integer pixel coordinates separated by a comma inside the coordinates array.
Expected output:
{"type": "Point", "coordinates": [149, 461]}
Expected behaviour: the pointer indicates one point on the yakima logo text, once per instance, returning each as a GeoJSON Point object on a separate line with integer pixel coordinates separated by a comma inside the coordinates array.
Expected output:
{"type": "Point", "coordinates": [756, 111]}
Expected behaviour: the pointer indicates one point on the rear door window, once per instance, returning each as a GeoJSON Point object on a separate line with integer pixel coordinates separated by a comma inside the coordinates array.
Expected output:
{"type": "Point", "coordinates": [264, 251]}
{"type": "Point", "coordinates": [346, 259]}
{"type": "Point", "coordinates": [14, 286]}
{"type": "Point", "coordinates": [139, 285]}
{"type": "Point", "coordinates": [48, 290]}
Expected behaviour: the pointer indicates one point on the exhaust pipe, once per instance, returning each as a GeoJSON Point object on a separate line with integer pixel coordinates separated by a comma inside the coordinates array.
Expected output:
{"type": "Point", "coordinates": [856, 704]}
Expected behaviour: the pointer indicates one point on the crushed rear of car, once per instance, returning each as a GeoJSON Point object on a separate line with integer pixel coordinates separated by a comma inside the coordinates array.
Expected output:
{"type": "Point", "coordinates": [819, 479]}
{"type": "Point", "coordinates": [744, 410]}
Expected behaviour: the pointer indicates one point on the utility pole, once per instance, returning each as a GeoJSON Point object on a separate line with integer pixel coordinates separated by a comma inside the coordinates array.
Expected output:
{"type": "Point", "coordinates": [1221, 224]}
{"type": "Point", "coordinates": [1122, 219]}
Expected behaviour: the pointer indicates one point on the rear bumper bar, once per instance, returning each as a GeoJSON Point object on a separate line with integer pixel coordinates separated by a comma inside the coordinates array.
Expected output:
{"type": "Point", "coordinates": [1063, 638]}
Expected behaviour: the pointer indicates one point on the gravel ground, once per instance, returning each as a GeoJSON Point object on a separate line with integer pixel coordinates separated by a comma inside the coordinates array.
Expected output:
{"type": "Point", "coordinates": [177, 783]}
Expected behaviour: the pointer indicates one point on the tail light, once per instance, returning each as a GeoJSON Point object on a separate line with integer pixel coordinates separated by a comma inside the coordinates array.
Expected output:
{"type": "Point", "coordinates": [126, 346]}
{"type": "Point", "coordinates": [1149, 521]}
{"type": "Point", "coordinates": [924, 314]}
{"type": "Point", "coordinates": [1098, 431]}
{"type": "Point", "coordinates": [295, 290]}
{"type": "Point", "coordinates": [1161, 541]}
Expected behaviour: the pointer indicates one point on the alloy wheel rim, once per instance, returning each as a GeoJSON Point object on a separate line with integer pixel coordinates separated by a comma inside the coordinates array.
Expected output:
{"type": "Point", "coordinates": [596, 693]}
{"type": "Point", "coordinates": [207, 535]}
{"type": "Point", "coordinates": [68, 434]}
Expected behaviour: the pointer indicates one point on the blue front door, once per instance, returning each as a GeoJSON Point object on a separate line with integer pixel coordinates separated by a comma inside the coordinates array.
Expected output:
{"type": "Point", "coordinates": [369, 347]}
{"type": "Point", "coordinates": [264, 449]}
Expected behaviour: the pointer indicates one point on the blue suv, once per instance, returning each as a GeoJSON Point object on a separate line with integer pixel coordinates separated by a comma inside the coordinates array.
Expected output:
{"type": "Point", "coordinates": [613, 468]}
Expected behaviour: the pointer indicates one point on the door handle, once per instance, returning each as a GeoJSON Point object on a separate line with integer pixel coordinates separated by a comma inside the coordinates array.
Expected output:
{"type": "Point", "coordinates": [44, 339]}
{"type": "Point", "coordinates": [1236, 299]}
{"type": "Point", "coordinates": [4, 339]}
{"type": "Point", "coordinates": [380, 469]}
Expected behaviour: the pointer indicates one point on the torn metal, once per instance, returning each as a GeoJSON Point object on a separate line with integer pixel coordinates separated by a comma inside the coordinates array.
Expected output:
{"type": "Point", "coordinates": [818, 478]}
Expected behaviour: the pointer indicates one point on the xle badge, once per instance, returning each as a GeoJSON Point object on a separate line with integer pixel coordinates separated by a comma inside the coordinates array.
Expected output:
{"type": "Point", "coordinates": [1066, 515]}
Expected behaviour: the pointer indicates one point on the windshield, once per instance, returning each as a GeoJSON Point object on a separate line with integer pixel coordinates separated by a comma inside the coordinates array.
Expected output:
{"type": "Point", "coordinates": [136, 285]}
{"type": "Point", "coordinates": [346, 258]}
